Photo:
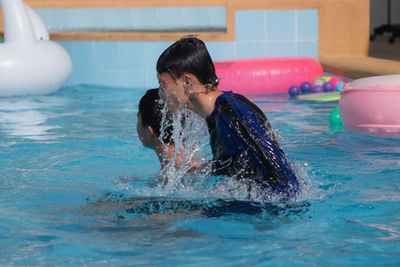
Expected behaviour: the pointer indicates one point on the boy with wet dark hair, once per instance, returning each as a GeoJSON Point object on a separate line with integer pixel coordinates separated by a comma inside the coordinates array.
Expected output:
{"type": "Point", "coordinates": [150, 124]}
{"type": "Point", "coordinates": [242, 142]}
{"type": "Point", "coordinates": [155, 129]}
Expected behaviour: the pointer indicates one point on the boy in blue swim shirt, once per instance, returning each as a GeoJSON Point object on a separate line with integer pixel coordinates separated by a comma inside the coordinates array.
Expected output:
{"type": "Point", "coordinates": [241, 139]}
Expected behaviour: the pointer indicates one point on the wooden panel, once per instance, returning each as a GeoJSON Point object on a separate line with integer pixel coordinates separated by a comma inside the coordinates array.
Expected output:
{"type": "Point", "coordinates": [121, 3]}
{"type": "Point", "coordinates": [359, 66]}
{"type": "Point", "coordinates": [136, 36]}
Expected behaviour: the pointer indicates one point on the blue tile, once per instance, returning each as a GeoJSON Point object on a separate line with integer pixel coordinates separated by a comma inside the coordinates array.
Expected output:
{"type": "Point", "coordinates": [307, 24]}
{"type": "Point", "coordinates": [81, 54]}
{"type": "Point", "coordinates": [250, 50]}
{"type": "Point", "coordinates": [65, 18]}
{"type": "Point", "coordinates": [90, 18]}
{"type": "Point", "coordinates": [195, 17]}
{"type": "Point", "coordinates": [217, 17]}
{"type": "Point", "coordinates": [81, 77]}
{"type": "Point", "coordinates": [131, 21]}
{"type": "Point", "coordinates": [67, 44]}
{"type": "Point", "coordinates": [281, 25]}
{"type": "Point", "coordinates": [153, 52]}
{"type": "Point", "coordinates": [221, 50]}
{"type": "Point", "coordinates": [106, 78]}
{"type": "Point", "coordinates": [281, 49]}
{"type": "Point", "coordinates": [117, 18]}
{"type": "Point", "coordinates": [250, 25]}
{"type": "Point", "coordinates": [46, 15]}
{"type": "Point", "coordinates": [132, 56]}
{"type": "Point", "coordinates": [144, 18]}
{"type": "Point", "coordinates": [308, 49]}
{"type": "Point", "coordinates": [106, 56]}
{"type": "Point", "coordinates": [70, 81]}
{"type": "Point", "coordinates": [133, 79]}
{"type": "Point", "coordinates": [169, 17]}
{"type": "Point", "coordinates": [151, 79]}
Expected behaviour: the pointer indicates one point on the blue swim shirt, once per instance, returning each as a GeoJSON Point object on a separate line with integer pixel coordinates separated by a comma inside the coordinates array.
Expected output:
{"type": "Point", "coordinates": [244, 146]}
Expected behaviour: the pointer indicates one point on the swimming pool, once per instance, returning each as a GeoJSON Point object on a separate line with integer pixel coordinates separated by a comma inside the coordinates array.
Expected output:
{"type": "Point", "coordinates": [78, 188]}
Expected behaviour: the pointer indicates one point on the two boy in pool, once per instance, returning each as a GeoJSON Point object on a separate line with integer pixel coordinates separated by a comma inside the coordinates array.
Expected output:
{"type": "Point", "coordinates": [242, 142]}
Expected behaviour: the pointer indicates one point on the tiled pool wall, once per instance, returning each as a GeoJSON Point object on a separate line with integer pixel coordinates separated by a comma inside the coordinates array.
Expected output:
{"type": "Point", "coordinates": [258, 33]}
{"type": "Point", "coordinates": [143, 19]}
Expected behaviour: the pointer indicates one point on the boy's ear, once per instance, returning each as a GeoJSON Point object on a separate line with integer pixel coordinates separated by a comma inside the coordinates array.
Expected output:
{"type": "Point", "coordinates": [187, 79]}
{"type": "Point", "coordinates": [151, 130]}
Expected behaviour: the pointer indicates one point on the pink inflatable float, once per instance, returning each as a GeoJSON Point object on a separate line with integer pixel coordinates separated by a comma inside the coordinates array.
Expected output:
{"type": "Point", "coordinates": [266, 75]}
{"type": "Point", "coordinates": [372, 106]}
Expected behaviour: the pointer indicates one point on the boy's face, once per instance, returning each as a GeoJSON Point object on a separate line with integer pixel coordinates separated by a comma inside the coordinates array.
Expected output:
{"type": "Point", "coordinates": [173, 91]}
{"type": "Point", "coordinates": [143, 133]}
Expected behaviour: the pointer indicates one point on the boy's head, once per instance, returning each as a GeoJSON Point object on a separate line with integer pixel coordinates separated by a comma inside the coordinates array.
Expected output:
{"type": "Point", "coordinates": [179, 63]}
{"type": "Point", "coordinates": [150, 120]}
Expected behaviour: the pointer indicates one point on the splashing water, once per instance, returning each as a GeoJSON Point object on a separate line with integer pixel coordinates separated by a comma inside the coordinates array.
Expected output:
{"type": "Point", "coordinates": [190, 136]}
{"type": "Point", "coordinates": [191, 139]}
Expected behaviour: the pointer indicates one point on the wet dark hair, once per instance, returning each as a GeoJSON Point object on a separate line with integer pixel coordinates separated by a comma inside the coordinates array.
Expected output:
{"type": "Point", "coordinates": [189, 55]}
{"type": "Point", "coordinates": [151, 111]}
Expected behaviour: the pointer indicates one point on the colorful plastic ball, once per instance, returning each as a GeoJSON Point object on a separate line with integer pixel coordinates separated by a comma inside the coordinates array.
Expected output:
{"type": "Point", "coordinates": [328, 87]}
{"type": "Point", "coordinates": [317, 89]}
{"type": "Point", "coordinates": [335, 118]}
{"type": "Point", "coordinates": [319, 81]}
{"type": "Point", "coordinates": [339, 86]}
{"type": "Point", "coordinates": [294, 90]}
{"type": "Point", "coordinates": [335, 81]}
{"type": "Point", "coordinates": [306, 87]}
{"type": "Point", "coordinates": [326, 78]}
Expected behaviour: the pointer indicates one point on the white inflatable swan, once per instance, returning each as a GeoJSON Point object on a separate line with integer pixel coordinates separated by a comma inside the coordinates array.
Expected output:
{"type": "Point", "coordinates": [30, 63]}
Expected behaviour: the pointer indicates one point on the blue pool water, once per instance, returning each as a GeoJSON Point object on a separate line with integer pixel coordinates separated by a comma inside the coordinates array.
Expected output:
{"type": "Point", "coordinates": [77, 188]}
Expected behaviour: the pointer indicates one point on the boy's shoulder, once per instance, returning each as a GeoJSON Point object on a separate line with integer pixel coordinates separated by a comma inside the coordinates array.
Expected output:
{"type": "Point", "coordinates": [231, 104]}
{"type": "Point", "coordinates": [252, 106]}
{"type": "Point", "coordinates": [229, 97]}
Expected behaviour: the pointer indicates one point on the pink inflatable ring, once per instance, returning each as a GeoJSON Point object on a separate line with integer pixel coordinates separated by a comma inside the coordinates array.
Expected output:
{"type": "Point", "coordinates": [266, 75]}
{"type": "Point", "coordinates": [371, 106]}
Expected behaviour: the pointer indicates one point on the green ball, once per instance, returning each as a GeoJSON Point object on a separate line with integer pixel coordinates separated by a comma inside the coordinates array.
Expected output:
{"type": "Point", "coordinates": [335, 118]}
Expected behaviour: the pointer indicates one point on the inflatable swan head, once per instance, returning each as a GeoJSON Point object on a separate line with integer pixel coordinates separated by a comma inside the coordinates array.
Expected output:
{"type": "Point", "coordinates": [30, 64]}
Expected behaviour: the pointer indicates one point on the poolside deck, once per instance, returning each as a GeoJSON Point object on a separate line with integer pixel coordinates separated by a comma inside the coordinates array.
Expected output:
{"type": "Point", "coordinates": [359, 66]}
